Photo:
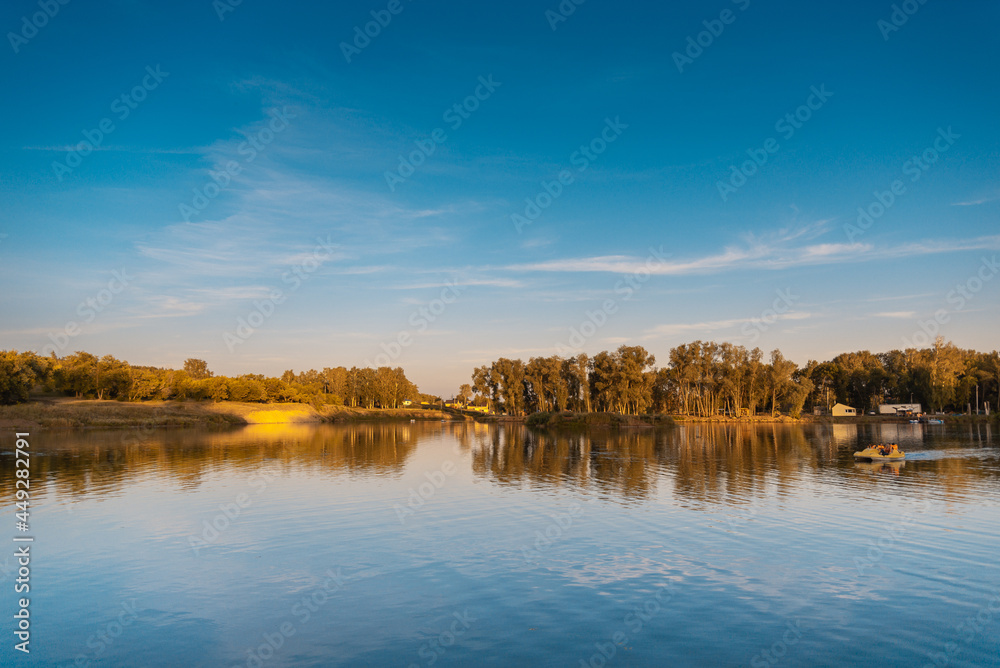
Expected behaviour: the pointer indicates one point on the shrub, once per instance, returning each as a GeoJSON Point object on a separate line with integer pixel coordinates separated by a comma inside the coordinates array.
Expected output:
{"type": "Point", "coordinates": [538, 420]}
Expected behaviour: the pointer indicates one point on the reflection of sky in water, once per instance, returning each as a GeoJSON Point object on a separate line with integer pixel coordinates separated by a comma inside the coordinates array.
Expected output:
{"type": "Point", "coordinates": [549, 541]}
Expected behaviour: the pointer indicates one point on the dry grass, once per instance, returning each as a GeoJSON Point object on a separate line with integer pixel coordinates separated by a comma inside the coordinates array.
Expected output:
{"type": "Point", "coordinates": [76, 414]}
{"type": "Point", "coordinates": [348, 414]}
{"type": "Point", "coordinates": [761, 419]}
{"type": "Point", "coordinates": [65, 413]}
{"type": "Point", "coordinates": [267, 413]}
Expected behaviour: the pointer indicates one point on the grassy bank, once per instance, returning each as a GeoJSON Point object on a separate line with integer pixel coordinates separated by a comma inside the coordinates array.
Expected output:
{"type": "Point", "coordinates": [570, 419]}
{"type": "Point", "coordinates": [72, 414]}
{"type": "Point", "coordinates": [64, 413]}
{"type": "Point", "coordinates": [347, 414]}
{"type": "Point", "coordinates": [890, 419]}
{"type": "Point", "coordinates": [81, 414]}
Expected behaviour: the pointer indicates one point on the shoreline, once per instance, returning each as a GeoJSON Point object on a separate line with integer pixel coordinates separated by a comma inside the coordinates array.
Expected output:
{"type": "Point", "coordinates": [68, 413]}
{"type": "Point", "coordinates": [71, 413]}
{"type": "Point", "coordinates": [615, 420]}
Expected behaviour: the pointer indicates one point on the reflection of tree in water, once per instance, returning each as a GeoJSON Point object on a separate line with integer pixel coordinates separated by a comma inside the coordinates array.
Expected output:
{"type": "Point", "coordinates": [734, 463]}
{"type": "Point", "coordinates": [76, 464]}
{"type": "Point", "coordinates": [728, 464]}
{"type": "Point", "coordinates": [621, 462]}
{"type": "Point", "coordinates": [702, 463]}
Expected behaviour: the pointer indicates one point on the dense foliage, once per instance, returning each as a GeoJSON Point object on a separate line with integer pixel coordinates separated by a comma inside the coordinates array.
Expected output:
{"type": "Point", "coordinates": [700, 378]}
{"type": "Point", "coordinates": [85, 376]}
{"type": "Point", "coordinates": [708, 378]}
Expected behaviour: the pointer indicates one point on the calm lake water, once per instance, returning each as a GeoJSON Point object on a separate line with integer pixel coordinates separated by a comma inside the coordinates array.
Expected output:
{"type": "Point", "coordinates": [434, 544]}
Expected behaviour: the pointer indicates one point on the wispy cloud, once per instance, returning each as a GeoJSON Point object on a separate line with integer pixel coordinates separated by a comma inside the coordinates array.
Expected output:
{"type": "Point", "coordinates": [922, 295]}
{"type": "Point", "coordinates": [977, 202]}
{"type": "Point", "coordinates": [185, 302]}
{"type": "Point", "coordinates": [166, 306]}
{"type": "Point", "coordinates": [769, 256]}
{"type": "Point", "coordinates": [895, 314]}
{"type": "Point", "coordinates": [681, 328]}
{"type": "Point", "coordinates": [236, 246]}
{"type": "Point", "coordinates": [119, 149]}
{"type": "Point", "coordinates": [937, 246]}
{"type": "Point", "coordinates": [461, 282]}
{"type": "Point", "coordinates": [360, 271]}
{"type": "Point", "coordinates": [804, 231]}
{"type": "Point", "coordinates": [728, 260]}
{"type": "Point", "coordinates": [672, 329]}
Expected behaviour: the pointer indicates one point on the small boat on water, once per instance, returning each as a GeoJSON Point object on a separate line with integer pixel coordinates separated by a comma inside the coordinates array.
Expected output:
{"type": "Point", "coordinates": [881, 453]}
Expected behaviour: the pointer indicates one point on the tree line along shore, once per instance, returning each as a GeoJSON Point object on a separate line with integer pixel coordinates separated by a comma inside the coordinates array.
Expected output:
{"type": "Point", "coordinates": [708, 380]}
{"type": "Point", "coordinates": [85, 376]}
{"type": "Point", "coordinates": [701, 380]}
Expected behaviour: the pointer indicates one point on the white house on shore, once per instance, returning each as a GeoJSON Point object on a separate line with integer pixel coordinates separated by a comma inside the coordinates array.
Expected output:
{"type": "Point", "coordinates": [899, 409]}
{"type": "Point", "coordinates": [841, 410]}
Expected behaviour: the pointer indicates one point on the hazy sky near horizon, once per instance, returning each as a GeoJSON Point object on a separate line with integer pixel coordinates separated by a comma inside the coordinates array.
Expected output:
{"type": "Point", "coordinates": [733, 173]}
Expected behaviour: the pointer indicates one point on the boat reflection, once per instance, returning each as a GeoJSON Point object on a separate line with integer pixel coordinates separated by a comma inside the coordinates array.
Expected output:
{"type": "Point", "coordinates": [891, 468]}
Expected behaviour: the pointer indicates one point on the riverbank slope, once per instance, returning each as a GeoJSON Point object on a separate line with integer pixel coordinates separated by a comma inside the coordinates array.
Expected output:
{"type": "Point", "coordinates": [68, 413]}
{"type": "Point", "coordinates": [570, 419]}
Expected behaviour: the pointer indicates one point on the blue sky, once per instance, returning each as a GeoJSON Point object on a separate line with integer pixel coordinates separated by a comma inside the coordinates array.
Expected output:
{"type": "Point", "coordinates": [340, 267]}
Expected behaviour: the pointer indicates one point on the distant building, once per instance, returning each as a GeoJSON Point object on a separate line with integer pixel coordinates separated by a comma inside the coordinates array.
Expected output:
{"type": "Point", "coordinates": [840, 410]}
{"type": "Point", "coordinates": [899, 409]}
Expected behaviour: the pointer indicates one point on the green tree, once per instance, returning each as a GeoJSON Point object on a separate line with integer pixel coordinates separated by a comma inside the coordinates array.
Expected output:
{"type": "Point", "coordinates": [779, 378]}
{"type": "Point", "coordinates": [465, 394]}
{"type": "Point", "coordinates": [944, 363]}
{"type": "Point", "coordinates": [77, 374]}
{"type": "Point", "coordinates": [19, 373]}
{"type": "Point", "coordinates": [990, 363]}
{"type": "Point", "coordinates": [486, 385]}
{"type": "Point", "coordinates": [197, 369]}
{"type": "Point", "coordinates": [145, 383]}
{"type": "Point", "coordinates": [218, 388]}
{"type": "Point", "coordinates": [604, 387]}
{"type": "Point", "coordinates": [113, 378]}
{"type": "Point", "coordinates": [510, 376]}
{"type": "Point", "coordinates": [635, 385]}
{"type": "Point", "coordinates": [574, 371]}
